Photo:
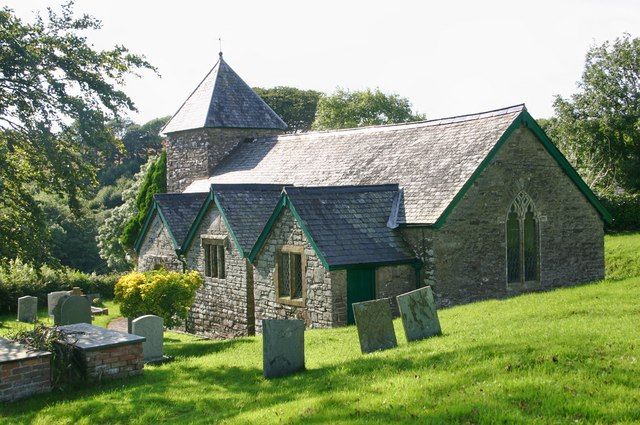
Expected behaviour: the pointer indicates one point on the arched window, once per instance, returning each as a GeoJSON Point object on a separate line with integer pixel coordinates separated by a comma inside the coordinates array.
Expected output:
{"type": "Point", "coordinates": [522, 241]}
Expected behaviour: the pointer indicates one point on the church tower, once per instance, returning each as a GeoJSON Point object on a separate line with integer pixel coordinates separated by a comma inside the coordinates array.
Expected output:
{"type": "Point", "coordinates": [220, 113]}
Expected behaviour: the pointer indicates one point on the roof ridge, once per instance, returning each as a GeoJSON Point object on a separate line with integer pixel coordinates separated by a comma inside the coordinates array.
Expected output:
{"type": "Point", "coordinates": [436, 121]}
{"type": "Point", "coordinates": [344, 189]}
{"type": "Point", "coordinates": [256, 186]}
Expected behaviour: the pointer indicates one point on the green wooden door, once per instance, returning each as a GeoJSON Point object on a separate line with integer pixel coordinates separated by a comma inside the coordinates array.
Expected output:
{"type": "Point", "coordinates": [361, 286]}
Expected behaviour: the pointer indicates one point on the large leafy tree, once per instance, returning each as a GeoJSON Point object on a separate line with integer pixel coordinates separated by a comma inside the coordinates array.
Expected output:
{"type": "Point", "coordinates": [57, 94]}
{"type": "Point", "coordinates": [348, 109]}
{"type": "Point", "coordinates": [598, 128]}
{"type": "Point", "coordinates": [296, 107]}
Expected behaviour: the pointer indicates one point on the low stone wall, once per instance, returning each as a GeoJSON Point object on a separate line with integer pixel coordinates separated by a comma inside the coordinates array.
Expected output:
{"type": "Point", "coordinates": [23, 373]}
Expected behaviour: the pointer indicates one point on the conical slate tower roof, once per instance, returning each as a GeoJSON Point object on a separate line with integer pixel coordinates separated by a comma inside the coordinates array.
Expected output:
{"type": "Point", "coordinates": [223, 100]}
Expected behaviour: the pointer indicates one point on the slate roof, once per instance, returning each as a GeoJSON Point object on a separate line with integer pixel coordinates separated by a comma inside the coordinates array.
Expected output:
{"type": "Point", "coordinates": [223, 100]}
{"type": "Point", "coordinates": [179, 211]}
{"type": "Point", "coordinates": [349, 223]}
{"type": "Point", "coordinates": [430, 160]}
{"type": "Point", "coordinates": [246, 208]}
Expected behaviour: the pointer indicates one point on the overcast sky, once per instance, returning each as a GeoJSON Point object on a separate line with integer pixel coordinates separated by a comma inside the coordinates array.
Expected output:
{"type": "Point", "coordinates": [447, 57]}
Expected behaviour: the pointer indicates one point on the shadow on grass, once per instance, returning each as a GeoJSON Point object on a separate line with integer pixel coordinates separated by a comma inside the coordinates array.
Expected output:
{"type": "Point", "coordinates": [343, 391]}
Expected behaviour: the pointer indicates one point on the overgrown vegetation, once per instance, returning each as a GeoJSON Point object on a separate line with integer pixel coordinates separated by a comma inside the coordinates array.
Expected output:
{"type": "Point", "coordinates": [18, 279]}
{"type": "Point", "coordinates": [163, 293]}
{"type": "Point", "coordinates": [565, 356]}
{"type": "Point", "coordinates": [66, 364]}
{"type": "Point", "coordinates": [155, 181]}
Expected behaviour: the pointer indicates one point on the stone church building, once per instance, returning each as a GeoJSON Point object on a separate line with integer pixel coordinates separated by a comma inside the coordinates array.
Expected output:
{"type": "Point", "coordinates": [303, 225]}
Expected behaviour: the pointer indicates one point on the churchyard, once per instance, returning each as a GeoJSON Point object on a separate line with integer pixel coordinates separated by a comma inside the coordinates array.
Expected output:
{"type": "Point", "coordinates": [569, 355]}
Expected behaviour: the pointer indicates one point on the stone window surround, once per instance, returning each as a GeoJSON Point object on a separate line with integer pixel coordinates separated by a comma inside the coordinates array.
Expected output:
{"type": "Point", "coordinates": [522, 201]}
{"type": "Point", "coordinates": [295, 249]}
{"type": "Point", "coordinates": [221, 240]}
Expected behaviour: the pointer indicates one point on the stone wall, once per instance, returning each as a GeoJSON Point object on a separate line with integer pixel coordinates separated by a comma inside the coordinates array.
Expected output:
{"type": "Point", "coordinates": [392, 281]}
{"type": "Point", "coordinates": [221, 308]}
{"type": "Point", "coordinates": [157, 249]}
{"type": "Point", "coordinates": [193, 154]}
{"type": "Point", "coordinates": [25, 377]}
{"type": "Point", "coordinates": [318, 310]}
{"type": "Point", "coordinates": [114, 362]}
{"type": "Point", "coordinates": [469, 251]}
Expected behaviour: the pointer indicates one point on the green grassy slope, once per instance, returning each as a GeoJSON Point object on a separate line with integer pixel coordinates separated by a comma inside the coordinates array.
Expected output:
{"type": "Point", "coordinates": [570, 355]}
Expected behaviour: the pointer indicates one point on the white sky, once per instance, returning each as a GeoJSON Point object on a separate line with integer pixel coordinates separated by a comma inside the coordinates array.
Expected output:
{"type": "Point", "coordinates": [447, 57]}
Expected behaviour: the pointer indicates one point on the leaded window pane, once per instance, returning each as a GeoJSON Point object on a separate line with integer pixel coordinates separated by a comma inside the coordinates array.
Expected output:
{"type": "Point", "coordinates": [220, 258]}
{"type": "Point", "coordinates": [214, 260]}
{"type": "Point", "coordinates": [285, 282]}
{"type": "Point", "coordinates": [530, 247]}
{"type": "Point", "coordinates": [513, 247]}
{"type": "Point", "coordinates": [296, 270]}
{"type": "Point", "coordinates": [207, 261]}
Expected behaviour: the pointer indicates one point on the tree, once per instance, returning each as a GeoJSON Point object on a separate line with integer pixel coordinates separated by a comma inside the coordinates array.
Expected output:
{"type": "Point", "coordinates": [296, 107]}
{"type": "Point", "coordinates": [347, 109]}
{"type": "Point", "coordinates": [598, 128]}
{"type": "Point", "coordinates": [111, 229]}
{"type": "Point", "coordinates": [57, 94]}
{"type": "Point", "coordinates": [155, 181]}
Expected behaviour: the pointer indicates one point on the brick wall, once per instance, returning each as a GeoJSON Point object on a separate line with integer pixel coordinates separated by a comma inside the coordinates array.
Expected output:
{"type": "Point", "coordinates": [115, 362]}
{"type": "Point", "coordinates": [157, 249]}
{"type": "Point", "coordinates": [23, 378]}
{"type": "Point", "coordinates": [193, 154]}
{"type": "Point", "coordinates": [469, 251]}
{"type": "Point", "coordinates": [220, 309]}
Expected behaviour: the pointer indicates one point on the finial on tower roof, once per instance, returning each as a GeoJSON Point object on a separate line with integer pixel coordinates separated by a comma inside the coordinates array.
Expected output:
{"type": "Point", "coordinates": [220, 44]}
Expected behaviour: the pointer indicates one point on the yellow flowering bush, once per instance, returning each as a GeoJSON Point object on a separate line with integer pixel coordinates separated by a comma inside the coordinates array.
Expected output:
{"type": "Point", "coordinates": [164, 293]}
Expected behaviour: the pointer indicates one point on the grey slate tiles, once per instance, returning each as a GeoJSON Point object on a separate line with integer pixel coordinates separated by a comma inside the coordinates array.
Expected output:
{"type": "Point", "coordinates": [247, 209]}
{"type": "Point", "coordinates": [430, 160]}
{"type": "Point", "coordinates": [349, 223]}
{"type": "Point", "coordinates": [223, 100]}
{"type": "Point", "coordinates": [180, 210]}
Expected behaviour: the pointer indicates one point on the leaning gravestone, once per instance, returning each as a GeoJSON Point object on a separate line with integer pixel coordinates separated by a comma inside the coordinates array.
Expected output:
{"type": "Point", "coordinates": [150, 327]}
{"type": "Point", "coordinates": [282, 347]}
{"type": "Point", "coordinates": [72, 309]}
{"type": "Point", "coordinates": [53, 298]}
{"type": "Point", "coordinates": [27, 309]}
{"type": "Point", "coordinates": [419, 315]}
{"type": "Point", "coordinates": [375, 325]}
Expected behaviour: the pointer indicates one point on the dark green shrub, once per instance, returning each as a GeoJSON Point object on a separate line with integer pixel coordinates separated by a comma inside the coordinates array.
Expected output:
{"type": "Point", "coordinates": [625, 209]}
{"type": "Point", "coordinates": [18, 279]}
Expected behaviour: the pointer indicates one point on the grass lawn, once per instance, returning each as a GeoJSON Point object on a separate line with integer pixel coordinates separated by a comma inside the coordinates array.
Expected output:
{"type": "Point", "coordinates": [566, 356]}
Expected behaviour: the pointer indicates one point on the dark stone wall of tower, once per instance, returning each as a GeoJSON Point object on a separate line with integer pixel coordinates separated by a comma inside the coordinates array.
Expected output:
{"type": "Point", "coordinates": [465, 260]}
{"type": "Point", "coordinates": [193, 154]}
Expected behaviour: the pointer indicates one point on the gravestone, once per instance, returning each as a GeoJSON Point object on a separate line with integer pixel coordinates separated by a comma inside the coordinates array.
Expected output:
{"type": "Point", "coordinates": [27, 309]}
{"type": "Point", "coordinates": [419, 315]}
{"type": "Point", "coordinates": [375, 325]}
{"type": "Point", "coordinates": [282, 347]}
{"type": "Point", "coordinates": [53, 298]}
{"type": "Point", "coordinates": [150, 327]}
{"type": "Point", "coordinates": [72, 309]}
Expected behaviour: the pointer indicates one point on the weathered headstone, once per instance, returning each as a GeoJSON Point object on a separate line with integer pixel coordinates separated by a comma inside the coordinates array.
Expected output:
{"type": "Point", "coordinates": [375, 325]}
{"type": "Point", "coordinates": [419, 315]}
{"type": "Point", "coordinates": [27, 309]}
{"type": "Point", "coordinates": [282, 347]}
{"type": "Point", "coordinates": [150, 327]}
{"type": "Point", "coordinates": [72, 309]}
{"type": "Point", "coordinates": [76, 291]}
{"type": "Point", "coordinates": [53, 298]}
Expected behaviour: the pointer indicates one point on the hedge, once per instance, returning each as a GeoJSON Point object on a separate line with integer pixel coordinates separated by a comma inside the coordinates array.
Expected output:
{"type": "Point", "coordinates": [18, 279]}
{"type": "Point", "coordinates": [625, 209]}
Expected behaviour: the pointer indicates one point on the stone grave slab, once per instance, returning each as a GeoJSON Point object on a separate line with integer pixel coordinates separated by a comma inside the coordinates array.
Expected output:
{"type": "Point", "coordinates": [375, 325]}
{"type": "Point", "coordinates": [282, 347]}
{"type": "Point", "coordinates": [27, 309]}
{"type": "Point", "coordinates": [53, 298]}
{"type": "Point", "coordinates": [150, 327]}
{"type": "Point", "coordinates": [23, 372]}
{"type": "Point", "coordinates": [419, 314]}
{"type": "Point", "coordinates": [105, 354]}
{"type": "Point", "coordinates": [72, 309]}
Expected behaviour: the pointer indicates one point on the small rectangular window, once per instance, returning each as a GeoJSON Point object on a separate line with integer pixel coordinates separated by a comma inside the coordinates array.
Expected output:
{"type": "Point", "coordinates": [214, 261]}
{"type": "Point", "coordinates": [290, 273]}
